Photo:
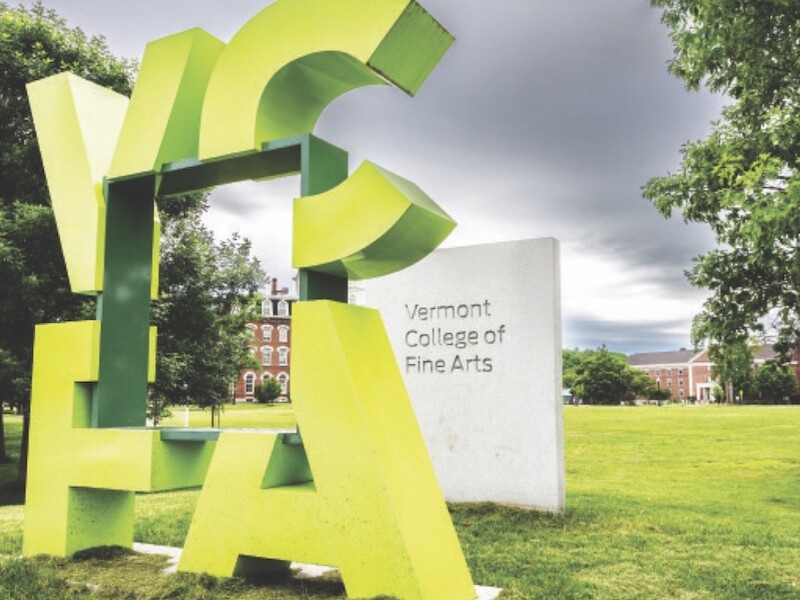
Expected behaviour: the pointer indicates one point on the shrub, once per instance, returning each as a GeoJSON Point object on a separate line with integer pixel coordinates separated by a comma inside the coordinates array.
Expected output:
{"type": "Point", "coordinates": [267, 392]}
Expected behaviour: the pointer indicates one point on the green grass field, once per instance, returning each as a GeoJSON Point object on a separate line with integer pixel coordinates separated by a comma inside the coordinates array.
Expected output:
{"type": "Point", "coordinates": [672, 502]}
{"type": "Point", "coordinates": [239, 415]}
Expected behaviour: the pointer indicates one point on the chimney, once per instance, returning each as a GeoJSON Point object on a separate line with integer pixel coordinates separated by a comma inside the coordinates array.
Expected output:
{"type": "Point", "coordinates": [274, 283]}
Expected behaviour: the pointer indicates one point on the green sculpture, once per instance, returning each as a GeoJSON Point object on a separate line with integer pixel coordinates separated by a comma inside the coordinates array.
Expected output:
{"type": "Point", "coordinates": [357, 491]}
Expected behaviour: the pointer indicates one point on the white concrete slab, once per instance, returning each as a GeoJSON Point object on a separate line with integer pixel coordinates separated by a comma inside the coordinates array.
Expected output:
{"type": "Point", "coordinates": [174, 554]}
{"type": "Point", "coordinates": [477, 335]}
{"type": "Point", "coordinates": [486, 592]}
{"type": "Point", "coordinates": [303, 571]}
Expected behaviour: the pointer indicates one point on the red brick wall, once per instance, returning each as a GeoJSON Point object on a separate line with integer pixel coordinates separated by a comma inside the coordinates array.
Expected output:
{"type": "Point", "coordinates": [260, 342]}
{"type": "Point", "coordinates": [672, 377]}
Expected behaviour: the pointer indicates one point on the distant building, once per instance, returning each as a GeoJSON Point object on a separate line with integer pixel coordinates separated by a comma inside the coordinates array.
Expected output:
{"type": "Point", "coordinates": [683, 372]}
{"type": "Point", "coordinates": [687, 374]}
{"type": "Point", "coordinates": [271, 340]}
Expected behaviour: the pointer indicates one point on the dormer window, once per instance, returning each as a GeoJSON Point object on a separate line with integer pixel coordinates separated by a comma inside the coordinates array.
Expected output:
{"type": "Point", "coordinates": [283, 308]}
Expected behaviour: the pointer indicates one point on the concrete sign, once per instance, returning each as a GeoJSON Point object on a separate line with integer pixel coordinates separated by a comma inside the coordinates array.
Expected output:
{"type": "Point", "coordinates": [477, 335]}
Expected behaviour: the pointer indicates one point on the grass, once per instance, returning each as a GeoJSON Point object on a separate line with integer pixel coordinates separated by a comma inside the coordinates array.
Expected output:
{"type": "Point", "coordinates": [239, 415]}
{"type": "Point", "coordinates": [693, 503]}
{"type": "Point", "coordinates": [676, 502]}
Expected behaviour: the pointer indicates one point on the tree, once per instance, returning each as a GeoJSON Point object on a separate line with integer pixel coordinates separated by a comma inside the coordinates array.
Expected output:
{"type": "Point", "coordinates": [35, 44]}
{"type": "Point", "coordinates": [9, 379]}
{"type": "Point", "coordinates": [641, 385]}
{"type": "Point", "coordinates": [208, 293]}
{"type": "Point", "coordinates": [571, 361]}
{"type": "Point", "coordinates": [659, 395]}
{"type": "Point", "coordinates": [772, 383]}
{"type": "Point", "coordinates": [744, 179]}
{"type": "Point", "coordinates": [267, 392]}
{"type": "Point", "coordinates": [604, 377]}
{"type": "Point", "coordinates": [732, 364]}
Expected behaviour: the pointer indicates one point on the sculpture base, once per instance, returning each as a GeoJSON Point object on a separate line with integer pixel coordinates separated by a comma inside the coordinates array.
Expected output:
{"type": "Point", "coordinates": [301, 570]}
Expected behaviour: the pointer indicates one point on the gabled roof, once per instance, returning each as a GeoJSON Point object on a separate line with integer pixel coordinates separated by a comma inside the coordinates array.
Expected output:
{"type": "Point", "coordinates": [670, 357]}
{"type": "Point", "coordinates": [683, 356]}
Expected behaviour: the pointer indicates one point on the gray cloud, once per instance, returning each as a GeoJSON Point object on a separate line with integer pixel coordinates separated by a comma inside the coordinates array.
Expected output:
{"type": "Point", "coordinates": [627, 337]}
{"type": "Point", "coordinates": [559, 115]}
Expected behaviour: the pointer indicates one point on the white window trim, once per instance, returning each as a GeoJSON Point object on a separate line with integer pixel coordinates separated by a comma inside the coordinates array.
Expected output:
{"type": "Point", "coordinates": [283, 379]}
{"type": "Point", "coordinates": [283, 308]}
{"type": "Point", "coordinates": [283, 356]}
{"type": "Point", "coordinates": [252, 377]}
{"type": "Point", "coordinates": [266, 351]}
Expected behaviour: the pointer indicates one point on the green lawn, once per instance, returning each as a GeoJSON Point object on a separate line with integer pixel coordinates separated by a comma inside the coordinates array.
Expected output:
{"type": "Point", "coordinates": [672, 502]}
{"type": "Point", "coordinates": [238, 415]}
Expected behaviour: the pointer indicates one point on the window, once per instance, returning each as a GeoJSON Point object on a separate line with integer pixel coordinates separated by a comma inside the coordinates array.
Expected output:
{"type": "Point", "coordinates": [680, 381]}
{"type": "Point", "coordinates": [283, 356]}
{"type": "Point", "coordinates": [266, 356]}
{"type": "Point", "coordinates": [669, 372]}
{"type": "Point", "coordinates": [283, 334]}
{"type": "Point", "coordinates": [266, 308]}
{"type": "Point", "coordinates": [283, 379]}
{"type": "Point", "coordinates": [658, 372]}
{"type": "Point", "coordinates": [669, 382]}
{"type": "Point", "coordinates": [680, 393]}
{"type": "Point", "coordinates": [283, 308]}
{"type": "Point", "coordinates": [250, 384]}
{"type": "Point", "coordinates": [680, 371]}
{"type": "Point", "coordinates": [266, 333]}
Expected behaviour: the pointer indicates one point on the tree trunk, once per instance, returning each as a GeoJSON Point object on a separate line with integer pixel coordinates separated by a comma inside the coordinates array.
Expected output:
{"type": "Point", "coordinates": [22, 473]}
{"type": "Point", "coordinates": [3, 453]}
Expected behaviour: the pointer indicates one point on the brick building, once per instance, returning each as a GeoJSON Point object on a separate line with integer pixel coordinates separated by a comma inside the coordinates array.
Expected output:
{"type": "Point", "coordinates": [684, 372]}
{"type": "Point", "coordinates": [687, 374]}
{"type": "Point", "coordinates": [271, 336]}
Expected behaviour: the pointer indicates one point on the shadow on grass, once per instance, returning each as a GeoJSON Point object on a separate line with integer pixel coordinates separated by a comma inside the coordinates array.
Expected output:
{"type": "Point", "coordinates": [326, 586]}
{"type": "Point", "coordinates": [502, 519]}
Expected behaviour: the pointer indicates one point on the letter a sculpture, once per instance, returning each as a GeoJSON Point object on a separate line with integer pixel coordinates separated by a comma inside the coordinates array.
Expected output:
{"type": "Point", "coordinates": [353, 487]}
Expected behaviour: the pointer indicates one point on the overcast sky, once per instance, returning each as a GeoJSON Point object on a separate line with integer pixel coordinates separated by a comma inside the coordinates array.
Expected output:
{"type": "Point", "coordinates": [544, 119]}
